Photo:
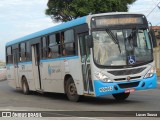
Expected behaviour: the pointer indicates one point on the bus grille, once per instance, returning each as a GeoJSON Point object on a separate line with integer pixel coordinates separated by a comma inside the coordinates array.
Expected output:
{"type": "Point", "coordinates": [129, 85]}
{"type": "Point", "coordinates": [122, 79]}
{"type": "Point", "coordinates": [127, 72]}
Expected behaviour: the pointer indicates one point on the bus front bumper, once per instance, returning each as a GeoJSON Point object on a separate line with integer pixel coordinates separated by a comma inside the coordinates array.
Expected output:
{"type": "Point", "coordinates": [102, 88]}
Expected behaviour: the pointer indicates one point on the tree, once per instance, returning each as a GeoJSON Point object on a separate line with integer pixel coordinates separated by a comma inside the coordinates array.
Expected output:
{"type": "Point", "coordinates": [66, 10]}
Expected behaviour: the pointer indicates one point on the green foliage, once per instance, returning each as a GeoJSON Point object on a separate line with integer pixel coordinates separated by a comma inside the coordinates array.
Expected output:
{"type": "Point", "coordinates": [66, 10]}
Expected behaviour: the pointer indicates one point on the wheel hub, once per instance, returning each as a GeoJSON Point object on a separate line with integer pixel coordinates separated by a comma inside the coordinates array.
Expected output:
{"type": "Point", "coordinates": [72, 89]}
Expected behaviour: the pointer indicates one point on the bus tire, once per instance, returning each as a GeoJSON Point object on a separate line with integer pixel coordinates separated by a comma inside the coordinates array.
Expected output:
{"type": "Point", "coordinates": [25, 87]}
{"type": "Point", "coordinates": [121, 96]}
{"type": "Point", "coordinates": [71, 90]}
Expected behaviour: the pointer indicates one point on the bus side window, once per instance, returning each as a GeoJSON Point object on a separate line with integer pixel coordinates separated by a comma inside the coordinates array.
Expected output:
{"type": "Point", "coordinates": [22, 52]}
{"type": "Point", "coordinates": [53, 46]}
{"type": "Point", "coordinates": [58, 43]}
{"type": "Point", "coordinates": [44, 47]}
{"type": "Point", "coordinates": [62, 44]}
{"type": "Point", "coordinates": [28, 55]}
{"type": "Point", "coordinates": [9, 57]}
{"type": "Point", "coordinates": [68, 43]}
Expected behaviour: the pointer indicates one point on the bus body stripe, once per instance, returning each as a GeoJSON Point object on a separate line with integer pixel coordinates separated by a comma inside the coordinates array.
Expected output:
{"type": "Point", "coordinates": [48, 60]}
{"type": "Point", "coordinates": [60, 59]}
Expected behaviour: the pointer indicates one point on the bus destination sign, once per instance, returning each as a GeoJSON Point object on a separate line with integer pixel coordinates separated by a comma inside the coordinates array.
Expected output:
{"type": "Point", "coordinates": [103, 21]}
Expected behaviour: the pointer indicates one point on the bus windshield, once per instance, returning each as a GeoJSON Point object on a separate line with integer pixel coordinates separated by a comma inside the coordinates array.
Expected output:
{"type": "Point", "coordinates": [122, 47]}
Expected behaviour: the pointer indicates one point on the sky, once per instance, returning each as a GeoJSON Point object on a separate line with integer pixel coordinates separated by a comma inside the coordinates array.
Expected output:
{"type": "Point", "coordinates": [22, 17]}
{"type": "Point", "coordinates": [149, 9]}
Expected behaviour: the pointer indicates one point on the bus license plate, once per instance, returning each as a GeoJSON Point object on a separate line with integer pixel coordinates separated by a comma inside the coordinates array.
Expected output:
{"type": "Point", "coordinates": [129, 90]}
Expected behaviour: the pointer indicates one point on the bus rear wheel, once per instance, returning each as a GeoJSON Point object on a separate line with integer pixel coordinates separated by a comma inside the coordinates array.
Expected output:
{"type": "Point", "coordinates": [25, 87]}
{"type": "Point", "coordinates": [71, 90]}
{"type": "Point", "coordinates": [121, 96]}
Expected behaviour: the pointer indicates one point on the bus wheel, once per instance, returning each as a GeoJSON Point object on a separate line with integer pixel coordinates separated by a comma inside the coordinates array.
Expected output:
{"type": "Point", "coordinates": [121, 96]}
{"type": "Point", "coordinates": [71, 90]}
{"type": "Point", "coordinates": [25, 87]}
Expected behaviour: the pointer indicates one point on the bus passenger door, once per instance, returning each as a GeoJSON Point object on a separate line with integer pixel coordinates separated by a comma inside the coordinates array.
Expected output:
{"type": "Point", "coordinates": [85, 61]}
{"type": "Point", "coordinates": [15, 62]}
{"type": "Point", "coordinates": [36, 66]}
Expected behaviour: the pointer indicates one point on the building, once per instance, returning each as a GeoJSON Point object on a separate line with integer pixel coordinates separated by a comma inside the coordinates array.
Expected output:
{"type": "Point", "coordinates": [157, 49]}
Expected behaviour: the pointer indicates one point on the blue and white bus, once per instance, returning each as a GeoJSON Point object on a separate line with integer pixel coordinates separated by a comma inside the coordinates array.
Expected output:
{"type": "Point", "coordinates": [95, 55]}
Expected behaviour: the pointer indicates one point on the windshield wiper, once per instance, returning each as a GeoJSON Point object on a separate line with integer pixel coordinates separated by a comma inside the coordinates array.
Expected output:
{"type": "Point", "coordinates": [115, 40]}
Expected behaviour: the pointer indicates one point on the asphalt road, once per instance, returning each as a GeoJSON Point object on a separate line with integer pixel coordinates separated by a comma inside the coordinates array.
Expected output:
{"type": "Point", "coordinates": [11, 100]}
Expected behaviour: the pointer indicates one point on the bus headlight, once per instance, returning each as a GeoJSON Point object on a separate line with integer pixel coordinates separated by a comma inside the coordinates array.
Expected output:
{"type": "Point", "coordinates": [102, 77]}
{"type": "Point", "coordinates": [150, 73]}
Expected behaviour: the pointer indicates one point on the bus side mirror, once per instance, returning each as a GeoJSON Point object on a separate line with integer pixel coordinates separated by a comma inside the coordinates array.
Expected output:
{"type": "Point", "coordinates": [153, 38]}
{"type": "Point", "coordinates": [89, 41]}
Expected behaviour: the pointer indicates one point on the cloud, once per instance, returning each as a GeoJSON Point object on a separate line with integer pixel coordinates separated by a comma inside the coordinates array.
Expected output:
{"type": "Point", "coordinates": [21, 17]}
{"type": "Point", "coordinates": [22, 8]}
{"type": "Point", "coordinates": [21, 2]}
{"type": "Point", "coordinates": [145, 7]}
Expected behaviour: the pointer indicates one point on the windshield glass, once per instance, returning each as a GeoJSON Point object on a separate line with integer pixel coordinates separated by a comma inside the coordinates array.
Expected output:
{"type": "Point", "coordinates": [122, 47]}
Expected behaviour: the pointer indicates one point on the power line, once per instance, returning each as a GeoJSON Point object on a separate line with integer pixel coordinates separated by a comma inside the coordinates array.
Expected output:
{"type": "Point", "coordinates": [153, 2]}
{"type": "Point", "coordinates": [153, 9]}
